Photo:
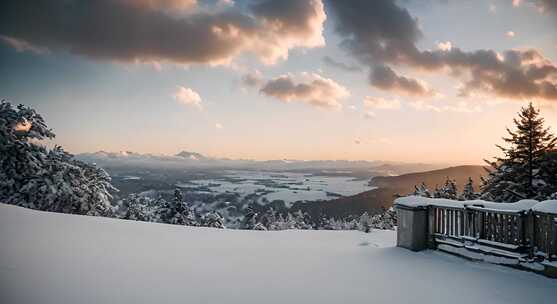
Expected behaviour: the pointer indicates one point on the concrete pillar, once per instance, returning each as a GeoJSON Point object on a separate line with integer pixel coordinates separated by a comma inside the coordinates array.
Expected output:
{"type": "Point", "coordinates": [412, 227]}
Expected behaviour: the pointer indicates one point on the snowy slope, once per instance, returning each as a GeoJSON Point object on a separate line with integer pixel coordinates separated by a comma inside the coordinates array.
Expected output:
{"type": "Point", "coordinates": [58, 258]}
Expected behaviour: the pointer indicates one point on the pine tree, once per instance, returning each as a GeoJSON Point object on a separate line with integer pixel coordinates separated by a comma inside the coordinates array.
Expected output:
{"type": "Point", "coordinates": [302, 220]}
{"type": "Point", "coordinates": [137, 208]}
{"type": "Point", "coordinates": [364, 223]}
{"type": "Point", "coordinates": [521, 171]}
{"type": "Point", "coordinates": [33, 176]}
{"type": "Point", "coordinates": [421, 190]}
{"type": "Point", "coordinates": [214, 220]}
{"type": "Point", "coordinates": [178, 212]}
{"type": "Point", "coordinates": [269, 219]}
{"type": "Point", "coordinates": [448, 190]}
{"type": "Point", "coordinates": [250, 221]}
{"type": "Point", "coordinates": [468, 192]}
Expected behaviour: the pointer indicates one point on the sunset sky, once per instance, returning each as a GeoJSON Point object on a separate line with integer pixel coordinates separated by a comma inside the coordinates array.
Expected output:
{"type": "Point", "coordinates": [428, 81]}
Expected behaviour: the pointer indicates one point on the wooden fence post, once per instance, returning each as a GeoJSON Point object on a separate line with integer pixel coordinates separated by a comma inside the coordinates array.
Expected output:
{"type": "Point", "coordinates": [431, 221]}
{"type": "Point", "coordinates": [530, 233]}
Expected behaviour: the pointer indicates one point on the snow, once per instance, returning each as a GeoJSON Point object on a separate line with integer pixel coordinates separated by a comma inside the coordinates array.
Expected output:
{"type": "Point", "coordinates": [60, 258]}
{"type": "Point", "coordinates": [549, 206]}
{"type": "Point", "coordinates": [418, 201]}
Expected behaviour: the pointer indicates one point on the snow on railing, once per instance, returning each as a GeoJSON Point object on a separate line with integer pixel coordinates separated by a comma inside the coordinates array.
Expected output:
{"type": "Point", "coordinates": [527, 228]}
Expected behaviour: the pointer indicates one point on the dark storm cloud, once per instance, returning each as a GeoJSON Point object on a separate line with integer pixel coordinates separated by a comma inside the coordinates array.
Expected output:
{"type": "Point", "coordinates": [153, 30]}
{"type": "Point", "coordinates": [382, 34]}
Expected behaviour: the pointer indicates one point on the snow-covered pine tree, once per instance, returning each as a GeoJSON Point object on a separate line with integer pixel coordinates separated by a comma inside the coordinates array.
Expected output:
{"type": "Point", "coordinates": [137, 208]}
{"type": "Point", "coordinates": [364, 223]}
{"type": "Point", "coordinates": [178, 212]}
{"type": "Point", "coordinates": [547, 176]}
{"type": "Point", "coordinates": [302, 220]}
{"type": "Point", "coordinates": [269, 219]}
{"type": "Point", "coordinates": [448, 190]}
{"type": "Point", "coordinates": [259, 226]}
{"type": "Point", "coordinates": [290, 222]}
{"type": "Point", "coordinates": [521, 172]}
{"type": "Point", "coordinates": [214, 220]}
{"type": "Point", "coordinates": [250, 221]}
{"type": "Point", "coordinates": [468, 192]}
{"type": "Point", "coordinates": [421, 190]}
{"type": "Point", "coordinates": [34, 177]}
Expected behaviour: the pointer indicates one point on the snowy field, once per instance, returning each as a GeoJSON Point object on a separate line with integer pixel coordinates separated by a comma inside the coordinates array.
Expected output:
{"type": "Point", "coordinates": [58, 258]}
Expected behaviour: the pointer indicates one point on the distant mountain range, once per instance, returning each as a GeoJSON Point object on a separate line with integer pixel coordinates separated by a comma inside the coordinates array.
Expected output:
{"type": "Point", "coordinates": [187, 159]}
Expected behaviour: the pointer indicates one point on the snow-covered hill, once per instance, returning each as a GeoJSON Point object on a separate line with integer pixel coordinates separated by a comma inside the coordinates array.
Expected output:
{"type": "Point", "coordinates": [59, 258]}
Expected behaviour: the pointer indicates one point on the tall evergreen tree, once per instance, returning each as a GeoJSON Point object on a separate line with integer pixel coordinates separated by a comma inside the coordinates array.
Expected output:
{"type": "Point", "coordinates": [521, 171]}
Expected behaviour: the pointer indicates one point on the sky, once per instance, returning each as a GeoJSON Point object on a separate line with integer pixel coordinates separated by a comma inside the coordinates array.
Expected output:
{"type": "Point", "coordinates": [416, 81]}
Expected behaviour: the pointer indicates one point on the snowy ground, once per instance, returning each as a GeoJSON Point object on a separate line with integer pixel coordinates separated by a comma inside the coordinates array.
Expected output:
{"type": "Point", "coordinates": [57, 258]}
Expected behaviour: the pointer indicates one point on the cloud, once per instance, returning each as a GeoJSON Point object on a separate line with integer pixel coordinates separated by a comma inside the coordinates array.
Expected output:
{"type": "Point", "coordinates": [460, 107]}
{"type": "Point", "coordinates": [546, 5]}
{"type": "Point", "coordinates": [385, 78]}
{"type": "Point", "coordinates": [492, 8]}
{"type": "Point", "coordinates": [22, 45]}
{"type": "Point", "coordinates": [542, 6]}
{"type": "Point", "coordinates": [188, 97]}
{"type": "Point", "coordinates": [341, 65]}
{"type": "Point", "coordinates": [308, 88]}
{"type": "Point", "coordinates": [381, 103]}
{"type": "Point", "coordinates": [162, 4]}
{"type": "Point", "coordinates": [151, 30]}
{"type": "Point", "coordinates": [380, 34]}
{"type": "Point", "coordinates": [510, 34]}
{"type": "Point", "coordinates": [445, 46]}
{"type": "Point", "coordinates": [253, 79]}
{"type": "Point", "coordinates": [369, 115]}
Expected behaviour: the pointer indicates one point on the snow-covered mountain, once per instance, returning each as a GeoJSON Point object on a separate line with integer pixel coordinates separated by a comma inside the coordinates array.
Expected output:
{"type": "Point", "coordinates": [192, 156]}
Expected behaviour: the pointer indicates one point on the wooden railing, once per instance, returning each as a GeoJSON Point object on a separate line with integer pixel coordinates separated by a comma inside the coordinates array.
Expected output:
{"type": "Point", "coordinates": [520, 232]}
{"type": "Point", "coordinates": [545, 235]}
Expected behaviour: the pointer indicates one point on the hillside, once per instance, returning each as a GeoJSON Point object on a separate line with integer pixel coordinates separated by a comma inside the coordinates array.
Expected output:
{"type": "Point", "coordinates": [374, 200]}
{"type": "Point", "coordinates": [58, 258]}
{"type": "Point", "coordinates": [405, 183]}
